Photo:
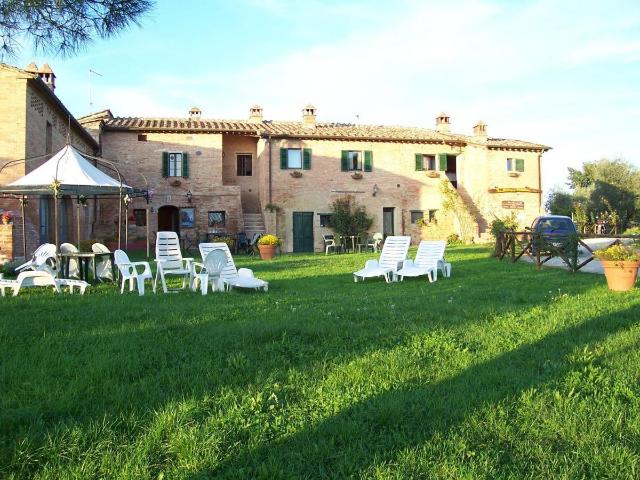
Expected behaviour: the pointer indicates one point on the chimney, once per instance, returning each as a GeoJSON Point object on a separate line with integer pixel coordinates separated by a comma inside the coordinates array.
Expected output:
{"type": "Point", "coordinates": [195, 113]}
{"type": "Point", "coordinates": [47, 76]}
{"type": "Point", "coordinates": [480, 130]}
{"type": "Point", "coordinates": [255, 114]}
{"type": "Point", "coordinates": [32, 68]}
{"type": "Point", "coordinates": [309, 116]}
{"type": "Point", "coordinates": [443, 124]}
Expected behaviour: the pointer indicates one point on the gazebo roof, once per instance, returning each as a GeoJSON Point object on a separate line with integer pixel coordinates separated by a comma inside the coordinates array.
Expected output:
{"type": "Point", "coordinates": [74, 174]}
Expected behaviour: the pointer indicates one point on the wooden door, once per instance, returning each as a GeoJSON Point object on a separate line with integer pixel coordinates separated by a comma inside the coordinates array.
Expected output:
{"type": "Point", "coordinates": [387, 221]}
{"type": "Point", "coordinates": [303, 231]}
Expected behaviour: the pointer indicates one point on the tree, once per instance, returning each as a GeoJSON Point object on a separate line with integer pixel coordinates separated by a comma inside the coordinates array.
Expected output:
{"type": "Point", "coordinates": [560, 203]}
{"type": "Point", "coordinates": [348, 217]}
{"type": "Point", "coordinates": [65, 26]}
{"type": "Point", "coordinates": [610, 187]}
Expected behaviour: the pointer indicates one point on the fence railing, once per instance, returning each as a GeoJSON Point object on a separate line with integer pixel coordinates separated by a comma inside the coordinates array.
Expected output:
{"type": "Point", "coordinates": [542, 247]}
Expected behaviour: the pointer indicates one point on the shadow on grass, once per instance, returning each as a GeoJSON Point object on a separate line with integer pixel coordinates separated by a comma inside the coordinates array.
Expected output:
{"type": "Point", "coordinates": [80, 359]}
{"type": "Point", "coordinates": [376, 430]}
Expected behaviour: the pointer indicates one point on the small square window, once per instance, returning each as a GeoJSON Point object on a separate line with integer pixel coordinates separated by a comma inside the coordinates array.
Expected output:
{"type": "Point", "coordinates": [354, 160]}
{"type": "Point", "coordinates": [510, 165]}
{"type": "Point", "coordinates": [325, 219]}
{"type": "Point", "coordinates": [216, 219]}
{"type": "Point", "coordinates": [142, 137]}
{"type": "Point", "coordinates": [430, 162]}
{"type": "Point", "coordinates": [294, 158]}
{"type": "Point", "coordinates": [140, 215]}
{"type": "Point", "coordinates": [244, 164]}
{"type": "Point", "coordinates": [175, 164]}
{"type": "Point", "coordinates": [416, 215]}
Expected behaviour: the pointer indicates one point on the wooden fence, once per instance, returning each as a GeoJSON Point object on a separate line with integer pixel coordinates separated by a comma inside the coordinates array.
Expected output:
{"type": "Point", "coordinates": [543, 247]}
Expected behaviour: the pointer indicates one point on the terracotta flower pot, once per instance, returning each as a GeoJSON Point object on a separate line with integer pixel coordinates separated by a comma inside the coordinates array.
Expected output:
{"type": "Point", "coordinates": [621, 276]}
{"type": "Point", "coordinates": [267, 251]}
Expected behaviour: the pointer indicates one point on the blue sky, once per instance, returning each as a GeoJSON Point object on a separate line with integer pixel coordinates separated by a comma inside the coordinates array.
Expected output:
{"type": "Point", "coordinates": [563, 73]}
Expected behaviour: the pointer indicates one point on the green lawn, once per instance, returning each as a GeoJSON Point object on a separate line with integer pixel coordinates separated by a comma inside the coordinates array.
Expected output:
{"type": "Point", "coordinates": [500, 371]}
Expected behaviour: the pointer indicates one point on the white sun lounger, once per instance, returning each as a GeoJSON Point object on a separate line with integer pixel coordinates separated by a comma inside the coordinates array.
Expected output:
{"type": "Point", "coordinates": [230, 276]}
{"type": "Point", "coordinates": [425, 262]}
{"type": "Point", "coordinates": [394, 253]}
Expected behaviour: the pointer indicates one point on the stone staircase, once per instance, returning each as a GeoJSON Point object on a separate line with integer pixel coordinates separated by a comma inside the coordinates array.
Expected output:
{"type": "Point", "coordinates": [253, 223]}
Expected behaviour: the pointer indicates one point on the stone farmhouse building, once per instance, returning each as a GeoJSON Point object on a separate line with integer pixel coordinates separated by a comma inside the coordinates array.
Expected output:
{"type": "Point", "coordinates": [225, 176]}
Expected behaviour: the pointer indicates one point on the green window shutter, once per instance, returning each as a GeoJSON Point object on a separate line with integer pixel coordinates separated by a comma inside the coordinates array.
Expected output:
{"type": "Point", "coordinates": [519, 164]}
{"type": "Point", "coordinates": [284, 157]}
{"type": "Point", "coordinates": [442, 162]}
{"type": "Point", "coordinates": [165, 164]}
{"type": "Point", "coordinates": [344, 161]}
{"type": "Point", "coordinates": [419, 161]}
{"type": "Point", "coordinates": [185, 165]}
{"type": "Point", "coordinates": [306, 159]}
{"type": "Point", "coordinates": [368, 160]}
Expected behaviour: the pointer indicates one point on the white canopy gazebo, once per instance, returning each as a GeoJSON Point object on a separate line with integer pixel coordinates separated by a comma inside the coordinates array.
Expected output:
{"type": "Point", "coordinates": [68, 172]}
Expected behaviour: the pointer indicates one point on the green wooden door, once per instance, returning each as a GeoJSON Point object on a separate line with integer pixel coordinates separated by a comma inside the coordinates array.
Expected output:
{"type": "Point", "coordinates": [303, 231]}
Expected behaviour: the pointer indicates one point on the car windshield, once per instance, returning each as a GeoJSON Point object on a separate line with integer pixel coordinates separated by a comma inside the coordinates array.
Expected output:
{"type": "Point", "coordinates": [556, 224]}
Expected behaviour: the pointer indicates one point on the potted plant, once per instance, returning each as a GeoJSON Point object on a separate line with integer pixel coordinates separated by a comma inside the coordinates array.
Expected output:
{"type": "Point", "coordinates": [267, 246]}
{"type": "Point", "coordinates": [296, 174]}
{"type": "Point", "coordinates": [356, 176]}
{"type": "Point", "coordinates": [620, 265]}
{"type": "Point", "coordinates": [433, 174]}
{"type": "Point", "coordinates": [514, 174]}
{"type": "Point", "coordinates": [7, 217]}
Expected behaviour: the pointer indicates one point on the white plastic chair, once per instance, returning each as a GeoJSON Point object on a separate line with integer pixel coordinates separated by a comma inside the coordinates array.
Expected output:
{"type": "Point", "coordinates": [129, 271]}
{"type": "Point", "coordinates": [374, 243]}
{"type": "Point", "coordinates": [394, 253]}
{"type": "Point", "coordinates": [230, 275]}
{"type": "Point", "coordinates": [74, 270]}
{"type": "Point", "coordinates": [329, 243]}
{"type": "Point", "coordinates": [103, 268]}
{"type": "Point", "coordinates": [429, 254]}
{"type": "Point", "coordinates": [40, 257]}
{"type": "Point", "coordinates": [170, 261]}
{"type": "Point", "coordinates": [210, 271]}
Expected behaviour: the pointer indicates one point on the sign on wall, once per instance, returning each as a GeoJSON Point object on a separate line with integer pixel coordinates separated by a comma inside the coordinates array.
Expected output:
{"type": "Point", "coordinates": [513, 204]}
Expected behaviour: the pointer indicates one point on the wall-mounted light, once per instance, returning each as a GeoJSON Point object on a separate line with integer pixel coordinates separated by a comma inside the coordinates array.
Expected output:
{"type": "Point", "coordinates": [375, 189]}
{"type": "Point", "coordinates": [189, 196]}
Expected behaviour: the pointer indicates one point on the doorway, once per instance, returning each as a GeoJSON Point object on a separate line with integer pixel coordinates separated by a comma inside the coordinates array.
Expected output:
{"type": "Point", "coordinates": [303, 231]}
{"type": "Point", "coordinates": [169, 219]}
{"type": "Point", "coordinates": [387, 221]}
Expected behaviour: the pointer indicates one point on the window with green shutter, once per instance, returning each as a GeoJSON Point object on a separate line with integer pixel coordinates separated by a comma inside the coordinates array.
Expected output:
{"type": "Point", "coordinates": [306, 159]}
{"type": "Point", "coordinates": [368, 160]}
{"type": "Point", "coordinates": [292, 158]}
{"type": "Point", "coordinates": [442, 162]}
{"type": "Point", "coordinates": [419, 162]}
{"type": "Point", "coordinates": [185, 165]}
{"type": "Point", "coordinates": [519, 164]}
{"type": "Point", "coordinates": [165, 164]}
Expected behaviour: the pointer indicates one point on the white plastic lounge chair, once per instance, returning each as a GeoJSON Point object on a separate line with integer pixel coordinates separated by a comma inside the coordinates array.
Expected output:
{"type": "Point", "coordinates": [231, 276]}
{"type": "Point", "coordinates": [71, 284]}
{"type": "Point", "coordinates": [131, 271]}
{"type": "Point", "coordinates": [210, 271]}
{"type": "Point", "coordinates": [38, 278]}
{"type": "Point", "coordinates": [426, 261]}
{"type": "Point", "coordinates": [394, 253]}
{"type": "Point", "coordinates": [170, 261]}
{"type": "Point", "coordinates": [40, 257]}
{"type": "Point", "coordinates": [103, 268]}
{"type": "Point", "coordinates": [74, 270]}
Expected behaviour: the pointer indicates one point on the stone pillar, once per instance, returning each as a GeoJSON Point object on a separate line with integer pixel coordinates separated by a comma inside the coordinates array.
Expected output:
{"type": "Point", "coordinates": [6, 243]}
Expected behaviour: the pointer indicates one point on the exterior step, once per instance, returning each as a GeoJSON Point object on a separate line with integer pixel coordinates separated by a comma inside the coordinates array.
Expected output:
{"type": "Point", "coordinates": [253, 223]}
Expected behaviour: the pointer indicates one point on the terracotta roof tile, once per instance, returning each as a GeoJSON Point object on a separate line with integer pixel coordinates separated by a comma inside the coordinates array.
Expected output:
{"type": "Point", "coordinates": [329, 131]}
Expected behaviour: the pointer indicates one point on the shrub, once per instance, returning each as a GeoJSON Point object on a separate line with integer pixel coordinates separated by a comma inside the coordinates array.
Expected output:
{"type": "Point", "coordinates": [9, 268]}
{"type": "Point", "coordinates": [500, 225]}
{"type": "Point", "coordinates": [230, 241]}
{"type": "Point", "coordinates": [454, 239]}
{"type": "Point", "coordinates": [632, 231]}
{"type": "Point", "coordinates": [349, 218]}
{"type": "Point", "coordinates": [269, 240]}
{"type": "Point", "coordinates": [617, 253]}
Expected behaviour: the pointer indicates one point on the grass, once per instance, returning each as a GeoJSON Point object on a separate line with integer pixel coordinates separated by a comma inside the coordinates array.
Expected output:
{"type": "Point", "coordinates": [500, 371]}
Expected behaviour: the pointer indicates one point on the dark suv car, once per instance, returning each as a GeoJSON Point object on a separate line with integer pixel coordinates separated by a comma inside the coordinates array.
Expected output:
{"type": "Point", "coordinates": [557, 230]}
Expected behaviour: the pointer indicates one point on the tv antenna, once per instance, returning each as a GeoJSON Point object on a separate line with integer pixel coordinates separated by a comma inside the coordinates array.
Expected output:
{"type": "Point", "coordinates": [92, 72]}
